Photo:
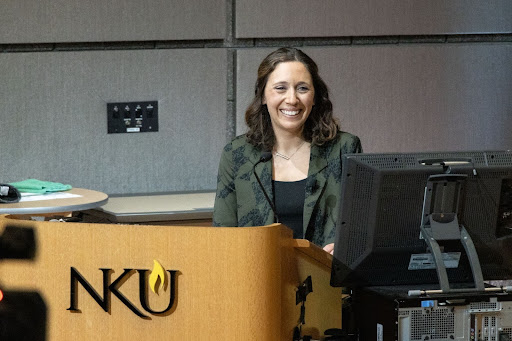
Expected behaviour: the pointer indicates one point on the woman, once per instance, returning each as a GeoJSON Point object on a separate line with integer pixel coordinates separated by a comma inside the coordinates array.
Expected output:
{"type": "Point", "coordinates": [291, 117]}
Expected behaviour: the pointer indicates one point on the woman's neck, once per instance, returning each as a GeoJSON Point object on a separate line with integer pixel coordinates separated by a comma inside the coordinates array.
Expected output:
{"type": "Point", "coordinates": [288, 143]}
{"type": "Point", "coordinates": [291, 158]}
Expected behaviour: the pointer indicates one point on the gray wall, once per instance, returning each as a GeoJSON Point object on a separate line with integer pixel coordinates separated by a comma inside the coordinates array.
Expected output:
{"type": "Point", "coordinates": [340, 18]}
{"type": "Point", "coordinates": [54, 122]}
{"type": "Point", "coordinates": [46, 21]}
{"type": "Point", "coordinates": [407, 76]}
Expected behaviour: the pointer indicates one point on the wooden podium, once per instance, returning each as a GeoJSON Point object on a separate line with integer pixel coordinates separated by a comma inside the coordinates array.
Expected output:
{"type": "Point", "coordinates": [229, 283]}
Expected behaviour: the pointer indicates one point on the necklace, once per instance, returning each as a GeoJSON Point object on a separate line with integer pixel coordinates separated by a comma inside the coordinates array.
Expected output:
{"type": "Point", "coordinates": [286, 157]}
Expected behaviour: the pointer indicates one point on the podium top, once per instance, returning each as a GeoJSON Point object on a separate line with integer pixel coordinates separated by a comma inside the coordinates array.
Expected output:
{"type": "Point", "coordinates": [313, 251]}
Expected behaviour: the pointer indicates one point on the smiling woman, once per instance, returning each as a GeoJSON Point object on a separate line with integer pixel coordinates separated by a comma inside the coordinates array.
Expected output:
{"type": "Point", "coordinates": [290, 119]}
{"type": "Point", "coordinates": [289, 97]}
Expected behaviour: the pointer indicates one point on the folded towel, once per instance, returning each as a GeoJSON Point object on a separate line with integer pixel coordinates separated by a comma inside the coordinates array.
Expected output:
{"type": "Point", "coordinates": [38, 186]}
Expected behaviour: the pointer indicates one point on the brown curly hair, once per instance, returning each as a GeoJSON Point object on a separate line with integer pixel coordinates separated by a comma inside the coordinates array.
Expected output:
{"type": "Point", "coordinates": [320, 127]}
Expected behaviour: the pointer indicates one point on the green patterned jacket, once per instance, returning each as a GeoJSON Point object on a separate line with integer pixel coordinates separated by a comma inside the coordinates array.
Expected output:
{"type": "Point", "coordinates": [241, 202]}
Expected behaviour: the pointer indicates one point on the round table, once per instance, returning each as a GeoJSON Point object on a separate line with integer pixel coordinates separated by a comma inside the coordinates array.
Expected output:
{"type": "Point", "coordinates": [85, 199]}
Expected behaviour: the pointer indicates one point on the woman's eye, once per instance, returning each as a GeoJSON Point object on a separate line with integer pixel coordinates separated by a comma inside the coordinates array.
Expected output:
{"type": "Point", "coordinates": [280, 88]}
{"type": "Point", "coordinates": [303, 89]}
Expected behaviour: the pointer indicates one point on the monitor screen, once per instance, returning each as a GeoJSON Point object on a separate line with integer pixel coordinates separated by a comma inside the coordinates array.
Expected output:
{"type": "Point", "coordinates": [378, 239]}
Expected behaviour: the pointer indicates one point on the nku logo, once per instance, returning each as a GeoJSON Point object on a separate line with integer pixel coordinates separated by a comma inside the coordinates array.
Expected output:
{"type": "Point", "coordinates": [157, 280]}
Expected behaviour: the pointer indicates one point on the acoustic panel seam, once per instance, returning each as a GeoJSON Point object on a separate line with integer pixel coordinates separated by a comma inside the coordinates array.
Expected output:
{"type": "Point", "coordinates": [259, 42]}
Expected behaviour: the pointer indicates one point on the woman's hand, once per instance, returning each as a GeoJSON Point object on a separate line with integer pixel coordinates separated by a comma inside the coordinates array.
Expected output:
{"type": "Point", "coordinates": [329, 248]}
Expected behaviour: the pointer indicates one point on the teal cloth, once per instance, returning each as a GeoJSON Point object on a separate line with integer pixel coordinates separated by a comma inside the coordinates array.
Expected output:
{"type": "Point", "coordinates": [38, 186]}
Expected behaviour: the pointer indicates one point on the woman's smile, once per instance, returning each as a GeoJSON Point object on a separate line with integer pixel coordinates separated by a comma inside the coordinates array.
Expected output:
{"type": "Point", "coordinates": [290, 112]}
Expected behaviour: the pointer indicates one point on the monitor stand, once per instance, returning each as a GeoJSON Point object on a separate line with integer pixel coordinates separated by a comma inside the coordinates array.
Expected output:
{"type": "Point", "coordinates": [439, 223]}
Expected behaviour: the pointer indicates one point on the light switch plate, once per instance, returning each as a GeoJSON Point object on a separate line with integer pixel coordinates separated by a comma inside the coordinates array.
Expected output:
{"type": "Point", "coordinates": [132, 117]}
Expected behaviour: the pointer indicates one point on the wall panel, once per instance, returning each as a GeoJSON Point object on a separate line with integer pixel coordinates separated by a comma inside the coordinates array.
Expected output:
{"type": "Point", "coordinates": [44, 21]}
{"type": "Point", "coordinates": [332, 18]}
{"type": "Point", "coordinates": [410, 97]}
{"type": "Point", "coordinates": [54, 123]}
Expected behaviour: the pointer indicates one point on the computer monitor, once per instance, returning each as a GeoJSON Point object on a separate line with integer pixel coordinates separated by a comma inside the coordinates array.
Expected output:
{"type": "Point", "coordinates": [378, 240]}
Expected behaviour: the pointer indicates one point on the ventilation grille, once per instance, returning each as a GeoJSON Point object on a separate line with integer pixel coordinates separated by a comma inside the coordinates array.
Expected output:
{"type": "Point", "coordinates": [403, 313]}
{"type": "Point", "coordinates": [499, 158]}
{"type": "Point", "coordinates": [507, 331]}
{"type": "Point", "coordinates": [479, 307]}
{"type": "Point", "coordinates": [358, 234]}
{"type": "Point", "coordinates": [398, 161]}
{"type": "Point", "coordinates": [390, 161]}
{"type": "Point", "coordinates": [400, 204]}
{"type": "Point", "coordinates": [436, 324]}
{"type": "Point", "coordinates": [489, 328]}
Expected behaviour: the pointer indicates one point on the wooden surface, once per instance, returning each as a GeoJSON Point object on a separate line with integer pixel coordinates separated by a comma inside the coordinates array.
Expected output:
{"type": "Point", "coordinates": [232, 283]}
{"type": "Point", "coordinates": [87, 199]}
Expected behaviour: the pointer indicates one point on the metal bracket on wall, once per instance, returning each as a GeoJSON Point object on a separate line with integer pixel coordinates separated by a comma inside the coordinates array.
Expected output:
{"type": "Point", "coordinates": [132, 117]}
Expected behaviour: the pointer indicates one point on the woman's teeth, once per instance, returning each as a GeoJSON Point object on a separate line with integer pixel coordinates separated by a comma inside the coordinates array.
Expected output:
{"type": "Point", "coordinates": [290, 112]}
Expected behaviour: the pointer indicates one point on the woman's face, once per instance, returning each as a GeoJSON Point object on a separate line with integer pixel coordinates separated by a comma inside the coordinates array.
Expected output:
{"type": "Point", "coordinates": [289, 95]}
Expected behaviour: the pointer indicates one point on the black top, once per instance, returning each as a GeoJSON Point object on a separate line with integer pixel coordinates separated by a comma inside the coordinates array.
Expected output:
{"type": "Point", "coordinates": [289, 202]}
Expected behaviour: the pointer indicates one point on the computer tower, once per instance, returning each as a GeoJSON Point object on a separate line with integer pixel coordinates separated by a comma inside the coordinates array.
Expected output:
{"type": "Point", "coordinates": [389, 314]}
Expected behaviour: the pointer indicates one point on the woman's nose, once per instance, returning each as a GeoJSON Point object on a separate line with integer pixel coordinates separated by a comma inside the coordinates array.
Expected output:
{"type": "Point", "coordinates": [291, 97]}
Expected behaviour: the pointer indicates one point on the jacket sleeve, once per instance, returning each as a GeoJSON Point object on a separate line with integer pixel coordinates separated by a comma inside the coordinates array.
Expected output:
{"type": "Point", "coordinates": [225, 207]}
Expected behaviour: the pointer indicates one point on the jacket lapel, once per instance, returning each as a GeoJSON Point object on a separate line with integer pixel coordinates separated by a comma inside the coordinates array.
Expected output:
{"type": "Point", "coordinates": [264, 172]}
{"type": "Point", "coordinates": [315, 182]}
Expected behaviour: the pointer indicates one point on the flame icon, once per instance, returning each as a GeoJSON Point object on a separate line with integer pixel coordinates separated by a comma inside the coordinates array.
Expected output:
{"type": "Point", "coordinates": [158, 273]}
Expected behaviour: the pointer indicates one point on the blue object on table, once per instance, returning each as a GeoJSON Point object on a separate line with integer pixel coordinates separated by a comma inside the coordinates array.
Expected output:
{"type": "Point", "coordinates": [38, 186]}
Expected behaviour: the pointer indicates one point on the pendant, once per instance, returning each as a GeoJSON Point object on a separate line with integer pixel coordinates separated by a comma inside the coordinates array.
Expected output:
{"type": "Point", "coordinates": [282, 156]}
